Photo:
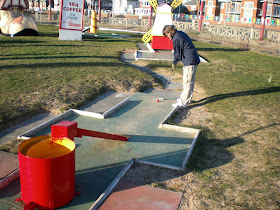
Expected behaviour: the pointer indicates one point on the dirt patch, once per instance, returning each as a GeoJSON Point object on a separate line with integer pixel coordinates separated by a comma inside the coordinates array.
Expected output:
{"type": "Point", "coordinates": [194, 115]}
{"type": "Point", "coordinates": [177, 181]}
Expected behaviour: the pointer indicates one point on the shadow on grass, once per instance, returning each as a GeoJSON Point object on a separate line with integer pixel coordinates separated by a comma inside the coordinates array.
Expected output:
{"type": "Point", "coordinates": [232, 95]}
{"type": "Point", "coordinates": [14, 41]}
{"type": "Point", "coordinates": [54, 45]}
{"type": "Point", "coordinates": [57, 65]}
{"type": "Point", "coordinates": [36, 44]}
{"type": "Point", "coordinates": [222, 49]}
{"type": "Point", "coordinates": [211, 152]}
{"type": "Point", "coordinates": [32, 54]}
{"type": "Point", "coordinates": [47, 56]}
{"type": "Point", "coordinates": [50, 34]}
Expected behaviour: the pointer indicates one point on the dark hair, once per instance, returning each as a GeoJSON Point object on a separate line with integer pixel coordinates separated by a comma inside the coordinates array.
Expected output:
{"type": "Point", "coordinates": [169, 29]}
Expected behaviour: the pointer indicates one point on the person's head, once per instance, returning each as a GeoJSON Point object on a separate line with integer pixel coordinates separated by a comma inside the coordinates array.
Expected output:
{"type": "Point", "coordinates": [169, 31]}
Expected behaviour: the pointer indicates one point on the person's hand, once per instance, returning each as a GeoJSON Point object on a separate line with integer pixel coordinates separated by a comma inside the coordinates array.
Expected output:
{"type": "Point", "coordinates": [173, 66]}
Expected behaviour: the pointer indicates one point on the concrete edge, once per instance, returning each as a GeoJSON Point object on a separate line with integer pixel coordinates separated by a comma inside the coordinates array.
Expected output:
{"type": "Point", "coordinates": [135, 55]}
{"type": "Point", "coordinates": [168, 116]}
{"type": "Point", "coordinates": [159, 165]}
{"type": "Point", "coordinates": [113, 184]}
{"type": "Point", "coordinates": [179, 128]}
{"type": "Point", "coordinates": [9, 178]}
{"type": "Point", "coordinates": [163, 125]}
{"type": "Point", "coordinates": [29, 133]}
{"type": "Point", "coordinates": [116, 107]}
{"type": "Point", "coordinates": [150, 59]}
{"type": "Point", "coordinates": [149, 51]}
{"type": "Point", "coordinates": [190, 151]}
{"type": "Point", "coordinates": [150, 47]}
{"type": "Point", "coordinates": [88, 114]}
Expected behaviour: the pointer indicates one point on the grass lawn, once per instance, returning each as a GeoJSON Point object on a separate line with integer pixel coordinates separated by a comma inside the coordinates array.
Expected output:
{"type": "Point", "coordinates": [235, 164]}
{"type": "Point", "coordinates": [45, 74]}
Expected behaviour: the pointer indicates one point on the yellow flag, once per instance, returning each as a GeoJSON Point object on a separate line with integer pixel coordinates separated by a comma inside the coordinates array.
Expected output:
{"type": "Point", "coordinates": [176, 3]}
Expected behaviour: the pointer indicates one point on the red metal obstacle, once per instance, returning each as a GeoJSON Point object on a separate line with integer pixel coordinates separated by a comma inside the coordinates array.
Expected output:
{"type": "Point", "coordinates": [70, 130]}
{"type": "Point", "coordinates": [47, 165]}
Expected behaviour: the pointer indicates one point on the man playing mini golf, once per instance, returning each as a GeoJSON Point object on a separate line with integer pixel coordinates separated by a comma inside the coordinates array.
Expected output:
{"type": "Point", "coordinates": [184, 51]}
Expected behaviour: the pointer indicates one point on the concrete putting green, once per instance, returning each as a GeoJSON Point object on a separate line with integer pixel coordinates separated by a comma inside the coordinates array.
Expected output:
{"type": "Point", "coordinates": [99, 161]}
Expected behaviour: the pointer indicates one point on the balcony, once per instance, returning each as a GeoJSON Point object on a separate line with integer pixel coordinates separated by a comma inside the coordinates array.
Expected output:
{"type": "Point", "coordinates": [268, 14]}
{"type": "Point", "coordinates": [271, 1]}
{"type": "Point", "coordinates": [224, 1]}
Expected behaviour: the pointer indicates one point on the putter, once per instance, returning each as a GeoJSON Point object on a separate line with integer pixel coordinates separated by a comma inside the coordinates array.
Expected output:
{"type": "Point", "coordinates": [162, 98]}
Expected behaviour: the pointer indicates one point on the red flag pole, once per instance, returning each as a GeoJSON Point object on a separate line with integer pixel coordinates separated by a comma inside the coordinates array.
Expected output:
{"type": "Point", "coordinates": [150, 18]}
{"type": "Point", "coordinates": [50, 10]}
{"type": "Point", "coordinates": [99, 11]}
{"type": "Point", "coordinates": [263, 19]}
{"type": "Point", "coordinates": [200, 16]}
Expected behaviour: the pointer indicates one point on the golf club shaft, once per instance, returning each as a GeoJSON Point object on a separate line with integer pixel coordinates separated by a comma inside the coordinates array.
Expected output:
{"type": "Point", "coordinates": [167, 83]}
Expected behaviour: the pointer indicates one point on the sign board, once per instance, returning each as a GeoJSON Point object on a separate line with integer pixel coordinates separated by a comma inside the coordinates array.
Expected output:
{"type": "Point", "coordinates": [71, 19]}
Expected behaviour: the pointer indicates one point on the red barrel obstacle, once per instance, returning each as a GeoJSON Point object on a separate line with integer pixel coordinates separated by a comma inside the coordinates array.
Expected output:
{"type": "Point", "coordinates": [47, 165]}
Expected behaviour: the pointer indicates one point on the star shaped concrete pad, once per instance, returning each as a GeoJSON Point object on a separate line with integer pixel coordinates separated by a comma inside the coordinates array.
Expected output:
{"type": "Point", "coordinates": [99, 161]}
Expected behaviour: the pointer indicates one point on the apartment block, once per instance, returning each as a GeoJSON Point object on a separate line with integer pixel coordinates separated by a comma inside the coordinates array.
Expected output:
{"type": "Point", "coordinates": [241, 11]}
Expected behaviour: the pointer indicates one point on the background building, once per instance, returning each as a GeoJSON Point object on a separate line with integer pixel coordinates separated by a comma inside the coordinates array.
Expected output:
{"type": "Point", "coordinates": [233, 11]}
{"type": "Point", "coordinates": [144, 8]}
{"type": "Point", "coordinates": [124, 7]}
{"type": "Point", "coordinates": [241, 11]}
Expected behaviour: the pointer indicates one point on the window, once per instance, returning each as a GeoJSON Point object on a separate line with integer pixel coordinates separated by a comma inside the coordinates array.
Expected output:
{"type": "Point", "coordinates": [248, 10]}
{"type": "Point", "coordinates": [276, 10]}
{"type": "Point", "coordinates": [146, 11]}
{"type": "Point", "coordinates": [222, 5]}
{"type": "Point", "coordinates": [235, 7]}
{"type": "Point", "coordinates": [269, 7]}
{"type": "Point", "coordinates": [146, 3]}
{"type": "Point", "coordinates": [210, 9]}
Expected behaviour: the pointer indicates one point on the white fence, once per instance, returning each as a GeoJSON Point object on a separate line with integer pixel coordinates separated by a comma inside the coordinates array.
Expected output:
{"type": "Point", "coordinates": [242, 33]}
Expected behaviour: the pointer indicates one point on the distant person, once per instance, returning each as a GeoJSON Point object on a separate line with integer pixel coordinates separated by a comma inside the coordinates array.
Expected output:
{"type": "Point", "coordinates": [184, 51]}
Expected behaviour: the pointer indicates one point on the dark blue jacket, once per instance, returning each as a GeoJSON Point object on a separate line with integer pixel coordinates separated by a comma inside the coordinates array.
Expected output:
{"type": "Point", "coordinates": [184, 49]}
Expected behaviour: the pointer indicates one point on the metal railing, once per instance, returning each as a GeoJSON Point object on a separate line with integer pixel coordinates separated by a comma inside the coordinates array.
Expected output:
{"type": "Point", "coordinates": [237, 32]}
